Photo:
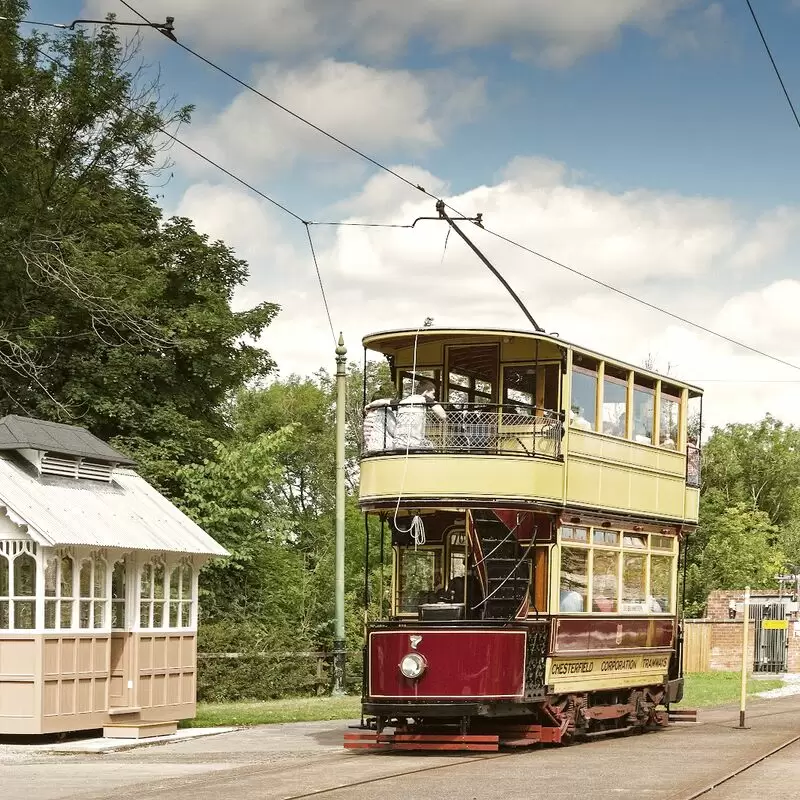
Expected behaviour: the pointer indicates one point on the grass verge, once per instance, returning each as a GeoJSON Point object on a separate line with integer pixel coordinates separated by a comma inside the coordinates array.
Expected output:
{"type": "Point", "coordinates": [294, 709]}
{"type": "Point", "coordinates": [704, 689]}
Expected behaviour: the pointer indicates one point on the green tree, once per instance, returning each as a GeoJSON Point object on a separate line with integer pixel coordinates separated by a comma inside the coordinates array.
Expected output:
{"type": "Point", "coordinates": [109, 314]}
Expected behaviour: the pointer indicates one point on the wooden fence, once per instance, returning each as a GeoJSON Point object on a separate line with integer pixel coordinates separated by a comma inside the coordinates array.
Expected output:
{"type": "Point", "coordinates": [697, 646]}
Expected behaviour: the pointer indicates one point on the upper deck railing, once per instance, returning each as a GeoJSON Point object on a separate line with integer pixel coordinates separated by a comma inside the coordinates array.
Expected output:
{"type": "Point", "coordinates": [462, 428]}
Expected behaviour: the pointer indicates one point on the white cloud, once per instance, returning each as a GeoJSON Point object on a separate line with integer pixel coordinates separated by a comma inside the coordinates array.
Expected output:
{"type": "Point", "coordinates": [669, 249]}
{"type": "Point", "coordinates": [554, 33]}
{"type": "Point", "coordinates": [378, 110]}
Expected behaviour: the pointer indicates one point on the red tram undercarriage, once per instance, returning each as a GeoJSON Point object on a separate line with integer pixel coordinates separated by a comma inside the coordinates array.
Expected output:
{"type": "Point", "coordinates": [459, 702]}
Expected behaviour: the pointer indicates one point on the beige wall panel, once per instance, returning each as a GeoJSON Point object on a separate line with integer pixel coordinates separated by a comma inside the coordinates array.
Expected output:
{"type": "Point", "coordinates": [159, 690]}
{"type": "Point", "coordinates": [188, 687]}
{"type": "Point", "coordinates": [145, 653]}
{"type": "Point", "coordinates": [620, 450]}
{"type": "Point", "coordinates": [494, 477]}
{"type": "Point", "coordinates": [145, 696]}
{"type": "Point", "coordinates": [117, 648]}
{"type": "Point", "coordinates": [69, 650]}
{"type": "Point", "coordinates": [17, 657]}
{"type": "Point", "coordinates": [174, 695]}
{"type": "Point", "coordinates": [160, 652]}
{"type": "Point", "coordinates": [188, 657]}
{"type": "Point", "coordinates": [50, 698]}
{"type": "Point", "coordinates": [17, 699]}
{"type": "Point", "coordinates": [174, 652]}
{"type": "Point", "coordinates": [116, 687]}
{"type": "Point", "coordinates": [101, 655]}
{"type": "Point", "coordinates": [615, 486]}
{"type": "Point", "coordinates": [52, 656]}
{"type": "Point", "coordinates": [84, 695]}
{"type": "Point", "coordinates": [99, 699]}
{"type": "Point", "coordinates": [583, 482]}
{"type": "Point", "coordinates": [85, 664]}
{"type": "Point", "coordinates": [67, 703]}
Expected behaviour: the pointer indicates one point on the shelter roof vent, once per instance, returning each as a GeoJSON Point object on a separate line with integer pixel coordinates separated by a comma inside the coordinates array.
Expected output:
{"type": "Point", "coordinates": [75, 468]}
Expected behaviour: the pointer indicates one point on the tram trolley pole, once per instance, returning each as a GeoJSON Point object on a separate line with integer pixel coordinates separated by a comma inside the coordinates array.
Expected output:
{"type": "Point", "coordinates": [339, 645]}
{"type": "Point", "coordinates": [745, 631]}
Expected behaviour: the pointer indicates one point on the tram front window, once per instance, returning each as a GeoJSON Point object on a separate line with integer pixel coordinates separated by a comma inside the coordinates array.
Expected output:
{"type": "Point", "coordinates": [419, 576]}
{"type": "Point", "coordinates": [661, 583]}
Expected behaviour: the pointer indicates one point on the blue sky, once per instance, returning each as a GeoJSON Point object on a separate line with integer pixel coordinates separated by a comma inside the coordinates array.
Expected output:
{"type": "Point", "coordinates": [647, 142]}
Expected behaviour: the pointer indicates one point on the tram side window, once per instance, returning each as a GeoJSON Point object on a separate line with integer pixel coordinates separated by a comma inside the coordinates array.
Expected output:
{"type": "Point", "coordinates": [573, 585]}
{"type": "Point", "coordinates": [669, 414]}
{"type": "Point", "coordinates": [660, 583]}
{"type": "Point", "coordinates": [584, 395]}
{"type": "Point", "coordinates": [519, 390]}
{"type": "Point", "coordinates": [419, 575]}
{"type": "Point", "coordinates": [605, 580]}
{"type": "Point", "coordinates": [634, 583]}
{"type": "Point", "coordinates": [615, 401]}
{"type": "Point", "coordinates": [643, 411]}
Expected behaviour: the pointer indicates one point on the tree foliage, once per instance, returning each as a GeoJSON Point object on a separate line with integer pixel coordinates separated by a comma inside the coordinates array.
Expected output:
{"type": "Point", "coordinates": [109, 314]}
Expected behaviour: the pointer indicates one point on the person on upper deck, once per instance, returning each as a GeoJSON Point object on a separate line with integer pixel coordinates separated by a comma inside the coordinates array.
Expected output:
{"type": "Point", "coordinates": [412, 411]}
{"type": "Point", "coordinates": [379, 422]}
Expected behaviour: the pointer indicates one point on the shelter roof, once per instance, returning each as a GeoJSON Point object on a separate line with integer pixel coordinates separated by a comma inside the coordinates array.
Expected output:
{"type": "Point", "coordinates": [18, 433]}
{"type": "Point", "coordinates": [126, 512]}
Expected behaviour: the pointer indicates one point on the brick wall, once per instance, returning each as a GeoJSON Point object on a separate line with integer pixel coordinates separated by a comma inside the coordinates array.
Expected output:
{"type": "Point", "coordinates": [716, 640]}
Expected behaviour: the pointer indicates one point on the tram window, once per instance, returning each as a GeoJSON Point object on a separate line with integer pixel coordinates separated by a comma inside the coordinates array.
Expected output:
{"type": "Point", "coordinates": [661, 542]}
{"type": "Point", "coordinates": [519, 389]}
{"type": "Point", "coordinates": [574, 534]}
{"type": "Point", "coordinates": [635, 541]}
{"type": "Point", "coordinates": [615, 400]}
{"type": "Point", "coordinates": [408, 385]}
{"type": "Point", "coordinates": [660, 584]}
{"type": "Point", "coordinates": [643, 412]}
{"type": "Point", "coordinates": [634, 583]}
{"type": "Point", "coordinates": [584, 398]}
{"type": "Point", "coordinates": [472, 374]}
{"type": "Point", "coordinates": [602, 536]}
{"type": "Point", "coordinates": [574, 578]}
{"type": "Point", "coordinates": [458, 556]}
{"type": "Point", "coordinates": [419, 574]}
{"type": "Point", "coordinates": [694, 414]}
{"type": "Point", "coordinates": [669, 414]}
{"type": "Point", "coordinates": [605, 580]}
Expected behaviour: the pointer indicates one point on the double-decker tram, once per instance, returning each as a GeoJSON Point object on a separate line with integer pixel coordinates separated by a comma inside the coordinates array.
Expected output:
{"type": "Point", "coordinates": [533, 495]}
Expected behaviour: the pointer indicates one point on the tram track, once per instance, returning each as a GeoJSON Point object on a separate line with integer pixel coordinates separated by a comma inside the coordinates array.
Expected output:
{"type": "Point", "coordinates": [733, 774]}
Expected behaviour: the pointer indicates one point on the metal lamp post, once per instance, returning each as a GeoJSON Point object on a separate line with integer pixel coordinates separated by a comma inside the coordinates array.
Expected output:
{"type": "Point", "coordinates": [339, 645]}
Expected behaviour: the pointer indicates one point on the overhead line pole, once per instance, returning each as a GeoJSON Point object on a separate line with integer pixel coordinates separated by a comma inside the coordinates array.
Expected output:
{"type": "Point", "coordinates": [339, 643]}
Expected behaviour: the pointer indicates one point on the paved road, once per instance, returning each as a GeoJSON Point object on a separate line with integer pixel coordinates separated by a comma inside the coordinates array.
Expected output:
{"type": "Point", "coordinates": [290, 761]}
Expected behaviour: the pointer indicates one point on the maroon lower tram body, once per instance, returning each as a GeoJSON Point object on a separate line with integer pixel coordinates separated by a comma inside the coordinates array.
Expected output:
{"type": "Point", "coordinates": [484, 685]}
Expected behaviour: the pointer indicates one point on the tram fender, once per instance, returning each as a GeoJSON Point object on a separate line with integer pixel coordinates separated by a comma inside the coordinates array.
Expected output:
{"type": "Point", "coordinates": [675, 690]}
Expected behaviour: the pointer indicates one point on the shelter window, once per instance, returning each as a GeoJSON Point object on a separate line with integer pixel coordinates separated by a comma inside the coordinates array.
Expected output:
{"type": "Point", "coordinates": [584, 393]}
{"type": "Point", "coordinates": [118, 596]}
{"type": "Point", "coordinates": [180, 596]}
{"type": "Point", "coordinates": [615, 401]}
{"type": "Point", "coordinates": [419, 576]}
{"type": "Point", "coordinates": [643, 410]}
{"type": "Point", "coordinates": [669, 416]}
{"type": "Point", "coordinates": [409, 381]}
{"type": "Point", "coordinates": [92, 593]}
{"type": "Point", "coordinates": [24, 591]}
{"type": "Point", "coordinates": [58, 593]}
{"type": "Point", "coordinates": [472, 374]}
{"type": "Point", "coordinates": [4, 593]}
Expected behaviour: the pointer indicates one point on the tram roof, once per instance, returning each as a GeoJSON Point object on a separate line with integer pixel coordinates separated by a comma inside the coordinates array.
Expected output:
{"type": "Point", "coordinates": [404, 337]}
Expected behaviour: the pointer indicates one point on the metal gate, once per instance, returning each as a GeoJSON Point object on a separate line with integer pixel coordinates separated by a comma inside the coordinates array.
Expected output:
{"type": "Point", "coordinates": [770, 643]}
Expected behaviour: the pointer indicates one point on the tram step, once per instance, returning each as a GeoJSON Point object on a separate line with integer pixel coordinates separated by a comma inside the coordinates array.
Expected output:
{"type": "Point", "coordinates": [503, 567]}
{"type": "Point", "coordinates": [498, 548]}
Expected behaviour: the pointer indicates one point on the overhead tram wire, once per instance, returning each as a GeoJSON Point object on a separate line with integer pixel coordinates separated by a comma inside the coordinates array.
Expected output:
{"type": "Point", "coordinates": [772, 61]}
{"type": "Point", "coordinates": [508, 240]}
{"type": "Point", "coordinates": [240, 180]}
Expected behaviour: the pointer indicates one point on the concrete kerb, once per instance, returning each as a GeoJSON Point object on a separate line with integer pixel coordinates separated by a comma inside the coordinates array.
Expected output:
{"type": "Point", "coordinates": [101, 745]}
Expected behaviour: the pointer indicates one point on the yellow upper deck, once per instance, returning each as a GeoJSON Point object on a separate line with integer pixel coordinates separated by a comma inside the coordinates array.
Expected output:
{"type": "Point", "coordinates": [532, 418]}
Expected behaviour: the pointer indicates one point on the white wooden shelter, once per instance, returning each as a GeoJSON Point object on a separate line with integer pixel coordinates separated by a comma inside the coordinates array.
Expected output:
{"type": "Point", "coordinates": [98, 588]}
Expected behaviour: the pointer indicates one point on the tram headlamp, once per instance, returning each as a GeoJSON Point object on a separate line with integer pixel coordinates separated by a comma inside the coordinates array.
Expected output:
{"type": "Point", "coordinates": [413, 665]}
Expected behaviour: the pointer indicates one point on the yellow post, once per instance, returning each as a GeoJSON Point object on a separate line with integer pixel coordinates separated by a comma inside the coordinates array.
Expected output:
{"type": "Point", "coordinates": [745, 631]}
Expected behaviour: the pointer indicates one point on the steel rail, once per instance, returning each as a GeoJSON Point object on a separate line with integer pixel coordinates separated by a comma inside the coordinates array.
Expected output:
{"type": "Point", "coordinates": [709, 787]}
